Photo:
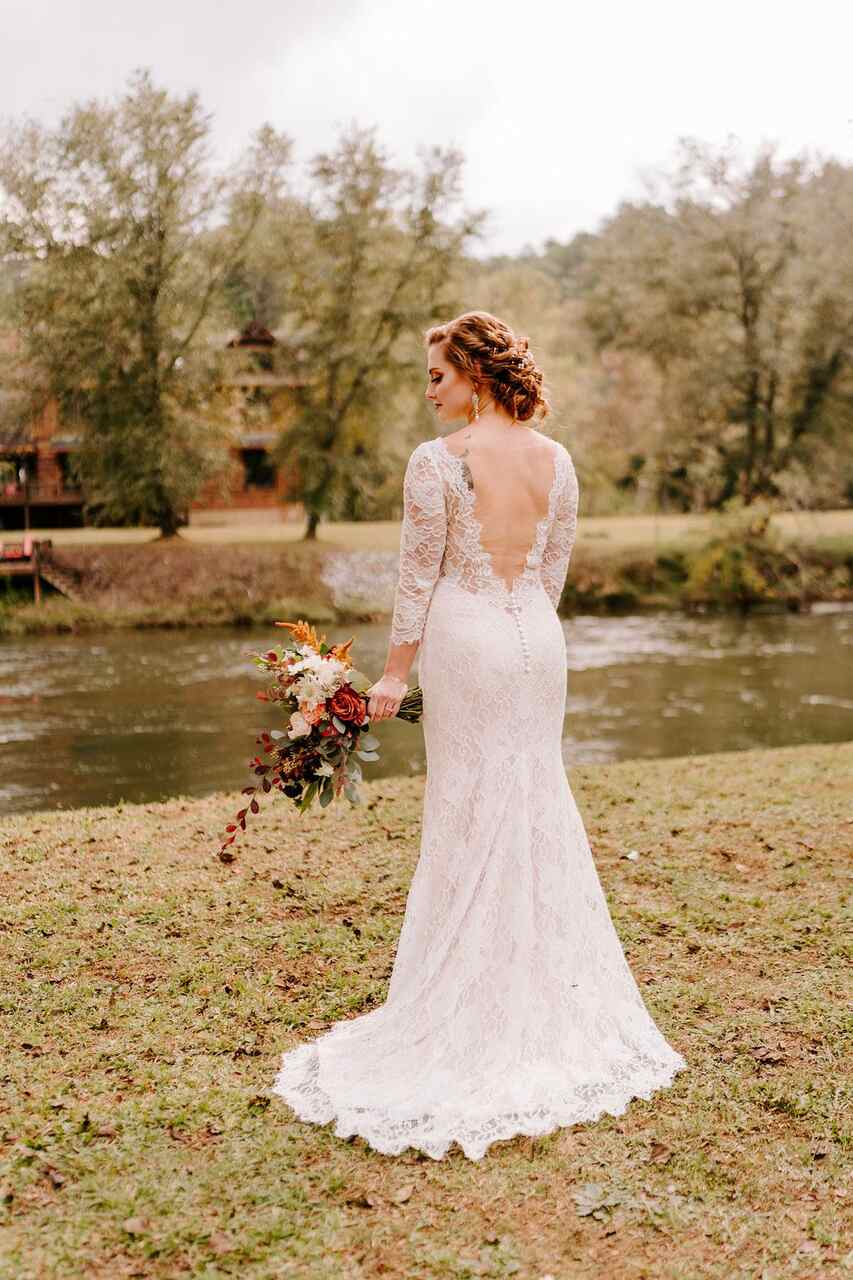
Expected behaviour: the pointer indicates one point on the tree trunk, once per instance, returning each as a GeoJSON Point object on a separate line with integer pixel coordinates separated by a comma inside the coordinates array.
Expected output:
{"type": "Point", "coordinates": [168, 522]}
{"type": "Point", "coordinates": [168, 515]}
{"type": "Point", "coordinates": [311, 527]}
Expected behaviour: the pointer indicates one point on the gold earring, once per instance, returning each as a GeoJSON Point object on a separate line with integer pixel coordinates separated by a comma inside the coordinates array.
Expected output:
{"type": "Point", "coordinates": [475, 404]}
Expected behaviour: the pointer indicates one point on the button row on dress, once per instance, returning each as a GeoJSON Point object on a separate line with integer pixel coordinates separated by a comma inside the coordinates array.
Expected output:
{"type": "Point", "coordinates": [524, 650]}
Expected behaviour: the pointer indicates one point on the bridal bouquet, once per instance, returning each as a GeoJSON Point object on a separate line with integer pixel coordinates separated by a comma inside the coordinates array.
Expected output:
{"type": "Point", "coordinates": [323, 699]}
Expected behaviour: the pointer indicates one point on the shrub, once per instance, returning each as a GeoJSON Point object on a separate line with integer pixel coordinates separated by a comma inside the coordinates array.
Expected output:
{"type": "Point", "coordinates": [745, 562]}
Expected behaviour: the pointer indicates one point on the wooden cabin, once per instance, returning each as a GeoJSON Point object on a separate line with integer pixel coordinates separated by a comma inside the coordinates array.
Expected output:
{"type": "Point", "coordinates": [37, 488]}
{"type": "Point", "coordinates": [258, 399]}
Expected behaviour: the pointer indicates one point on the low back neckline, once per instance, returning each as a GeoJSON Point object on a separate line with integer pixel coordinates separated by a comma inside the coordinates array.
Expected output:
{"type": "Point", "coordinates": [541, 528]}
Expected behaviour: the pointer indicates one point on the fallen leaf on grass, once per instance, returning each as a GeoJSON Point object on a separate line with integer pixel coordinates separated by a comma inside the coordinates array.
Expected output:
{"type": "Point", "coordinates": [659, 1154]}
{"type": "Point", "coordinates": [135, 1226]}
{"type": "Point", "coordinates": [53, 1175]}
{"type": "Point", "coordinates": [246, 1050]}
{"type": "Point", "coordinates": [219, 1242]}
{"type": "Point", "coordinates": [403, 1194]}
{"type": "Point", "coordinates": [767, 1056]}
{"type": "Point", "coordinates": [595, 1200]}
{"type": "Point", "coordinates": [194, 1138]}
{"type": "Point", "coordinates": [363, 1200]}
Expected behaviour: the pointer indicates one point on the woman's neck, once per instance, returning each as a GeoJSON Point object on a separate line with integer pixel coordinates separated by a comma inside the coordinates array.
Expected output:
{"type": "Point", "coordinates": [494, 422]}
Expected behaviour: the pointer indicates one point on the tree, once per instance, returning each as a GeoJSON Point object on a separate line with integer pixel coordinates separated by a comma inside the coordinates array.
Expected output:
{"type": "Point", "coordinates": [738, 283]}
{"type": "Point", "coordinates": [114, 217]}
{"type": "Point", "coordinates": [367, 261]}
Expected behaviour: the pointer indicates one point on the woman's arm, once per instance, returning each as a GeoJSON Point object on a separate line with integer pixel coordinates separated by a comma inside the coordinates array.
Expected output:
{"type": "Point", "coordinates": [422, 540]}
{"type": "Point", "coordinates": [561, 537]}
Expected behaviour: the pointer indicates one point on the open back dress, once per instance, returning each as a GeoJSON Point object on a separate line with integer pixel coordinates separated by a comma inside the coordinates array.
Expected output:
{"type": "Point", "coordinates": [511, 1008]}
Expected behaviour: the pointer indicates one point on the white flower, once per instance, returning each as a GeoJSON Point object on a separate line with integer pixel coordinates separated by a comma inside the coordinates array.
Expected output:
{"type": "Point", "coordinates": [299, 726]}
{"type": "Point", "coordinates": [325, 770]}
{"type": "Point", "coordinates": [333, 674]}
{"type": "Point", "coordinates": [309, 663]}
{"type": "Point", "coordinates": [320, 679]}
{"type": "Point", "coordinates": [308, 691]}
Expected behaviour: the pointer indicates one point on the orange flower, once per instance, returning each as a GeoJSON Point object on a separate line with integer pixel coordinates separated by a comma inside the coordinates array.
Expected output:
{"type": "Point", "coordinates": [303, 633]}
{"type": "Point", "coordinates": [341, 652]}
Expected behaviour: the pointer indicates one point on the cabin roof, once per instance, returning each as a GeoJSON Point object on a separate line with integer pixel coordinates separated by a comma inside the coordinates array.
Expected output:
{"type": "Point", "coordinates": [254, 335]}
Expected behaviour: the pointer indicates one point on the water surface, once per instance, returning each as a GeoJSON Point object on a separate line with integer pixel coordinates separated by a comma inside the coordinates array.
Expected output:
{"type": "Point", "coordinates": [141, 715]}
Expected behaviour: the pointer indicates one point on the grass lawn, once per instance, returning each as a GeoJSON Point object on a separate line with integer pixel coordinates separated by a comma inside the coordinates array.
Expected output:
{"type": "Point", "coordinates": [148, 990]}
{"type": "Point", "coordinates": [605, 534]}
{"type": "Point", "coordinates": [228, 568]}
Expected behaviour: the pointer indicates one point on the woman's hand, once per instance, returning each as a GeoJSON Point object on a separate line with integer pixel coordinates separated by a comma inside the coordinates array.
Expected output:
{"type": "Point", "coordinates": [385, 696]}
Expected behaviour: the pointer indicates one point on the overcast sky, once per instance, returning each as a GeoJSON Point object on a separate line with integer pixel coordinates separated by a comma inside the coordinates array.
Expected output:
{"type": "Point", "coordinates": [557, 106]}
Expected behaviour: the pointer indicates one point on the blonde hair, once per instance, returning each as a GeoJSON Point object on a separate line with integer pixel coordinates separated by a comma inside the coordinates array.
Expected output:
{"type": "Point", "coordinates": [488, 352]}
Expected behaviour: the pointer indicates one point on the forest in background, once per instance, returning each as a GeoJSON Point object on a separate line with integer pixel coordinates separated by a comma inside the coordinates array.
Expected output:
{"type": "Point", "coordinates": [697, 346]}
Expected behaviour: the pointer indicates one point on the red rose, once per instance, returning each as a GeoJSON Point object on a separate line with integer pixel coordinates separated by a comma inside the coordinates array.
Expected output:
{"type": "Point", "coordinates": [348, 705]}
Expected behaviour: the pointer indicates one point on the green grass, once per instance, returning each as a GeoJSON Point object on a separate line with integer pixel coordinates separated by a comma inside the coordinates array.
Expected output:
{"type": "Point", "coordinates": [244, 571]}
{"type": "Point", "coordinates": [148, 991]}
{"type": "Point", "coordinates": [56, 615]}
{"type": "Point", "coordinates": [604, 534]}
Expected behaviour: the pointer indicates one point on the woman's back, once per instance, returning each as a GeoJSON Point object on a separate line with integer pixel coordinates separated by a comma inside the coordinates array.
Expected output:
{"type": "Point", "coordinates": [510, 476]}
{"type": "Point", "coordinates": [495, 513]}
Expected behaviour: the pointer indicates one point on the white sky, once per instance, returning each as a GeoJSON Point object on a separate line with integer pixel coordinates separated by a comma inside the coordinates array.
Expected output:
{"type": "Point", "coordinates": [558, 106]}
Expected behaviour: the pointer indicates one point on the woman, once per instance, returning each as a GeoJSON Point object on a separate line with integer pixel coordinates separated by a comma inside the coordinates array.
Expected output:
{"type": "Point", "coordinates": [511, 1008]}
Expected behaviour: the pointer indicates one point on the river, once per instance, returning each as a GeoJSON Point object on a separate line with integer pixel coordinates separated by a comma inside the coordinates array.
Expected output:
{"type": "Point", "coordinates": [142, 715]}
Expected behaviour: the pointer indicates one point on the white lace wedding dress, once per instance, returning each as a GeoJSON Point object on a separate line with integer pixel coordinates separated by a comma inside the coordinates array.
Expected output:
{"type": "Point", "coordinates": [511, 1008]}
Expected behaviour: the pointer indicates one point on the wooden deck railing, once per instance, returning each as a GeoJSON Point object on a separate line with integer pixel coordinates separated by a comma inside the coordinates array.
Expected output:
{"type": "Point", "coordinates": [15, 495]}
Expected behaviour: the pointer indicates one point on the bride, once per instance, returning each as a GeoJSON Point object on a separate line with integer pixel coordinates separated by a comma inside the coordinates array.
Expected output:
{"type": "Point", "coordinates": [511, 1008]}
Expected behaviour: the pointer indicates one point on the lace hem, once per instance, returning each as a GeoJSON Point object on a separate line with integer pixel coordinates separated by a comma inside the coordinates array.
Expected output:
{"type": "Point", "coordinates": [434, 1133]}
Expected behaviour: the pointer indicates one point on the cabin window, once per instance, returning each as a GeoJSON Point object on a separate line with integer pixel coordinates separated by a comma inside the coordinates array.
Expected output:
{"type": "Point", "coordinates": [259, 471]}
{"type": "Point", "coordinates": [67, 471]}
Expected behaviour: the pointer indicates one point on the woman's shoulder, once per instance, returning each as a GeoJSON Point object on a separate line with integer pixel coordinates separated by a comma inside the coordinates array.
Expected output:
{"type": "Point", "coordinates": [423, 450]}
{"type": "Point", "coordinates": [427, 446]}
{"type": "Point", "coordinates": [423, 462]}
{"type": "Point", "coordinates": [556, 446]}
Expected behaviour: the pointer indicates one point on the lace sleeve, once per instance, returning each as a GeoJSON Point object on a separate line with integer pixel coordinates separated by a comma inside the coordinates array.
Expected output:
{"type": "Point", "coordinates": [561, 536]}
{"type": "Point", "coordinates": [422, 541]}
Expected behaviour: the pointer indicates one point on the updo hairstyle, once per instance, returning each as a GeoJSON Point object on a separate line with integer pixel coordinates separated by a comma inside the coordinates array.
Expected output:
{"type": "Point", "coordinates": [488, 352]}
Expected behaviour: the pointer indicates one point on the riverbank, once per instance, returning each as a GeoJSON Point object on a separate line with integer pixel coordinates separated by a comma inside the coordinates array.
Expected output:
{"type": "Point", "coordinates": [154, 989]}
{"type": "Point", "coordinates": [203, 578]}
